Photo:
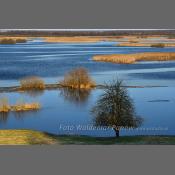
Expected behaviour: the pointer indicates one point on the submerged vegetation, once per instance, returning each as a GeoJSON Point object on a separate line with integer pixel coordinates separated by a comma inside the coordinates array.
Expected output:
{"type": "Point", "coordinates": [18, 107]}
{"type": "Point", "coordinates": [32, 83]}
{"type": "Point", "coordinates": [132, 58]}
{"type": "Point", "coordinates": [78, 79]}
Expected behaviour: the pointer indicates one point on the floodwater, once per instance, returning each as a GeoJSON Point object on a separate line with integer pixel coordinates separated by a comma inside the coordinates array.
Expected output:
{"type": "Point", "coordinates": [65, 112]}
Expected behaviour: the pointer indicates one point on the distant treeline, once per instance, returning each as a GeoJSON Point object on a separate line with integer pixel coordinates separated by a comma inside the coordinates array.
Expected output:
{"type": "Point", "coordinates": [86, 33]}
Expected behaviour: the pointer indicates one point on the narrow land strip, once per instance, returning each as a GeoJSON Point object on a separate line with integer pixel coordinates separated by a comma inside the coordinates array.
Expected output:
{"type": "Point", "coordinates": [30, 137]}
{"type": "Point", "coordinates": [132, 58]}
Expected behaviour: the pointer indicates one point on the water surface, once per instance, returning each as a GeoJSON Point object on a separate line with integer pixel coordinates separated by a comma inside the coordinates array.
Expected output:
{"type": "Point", "coordinates": [61, 109]}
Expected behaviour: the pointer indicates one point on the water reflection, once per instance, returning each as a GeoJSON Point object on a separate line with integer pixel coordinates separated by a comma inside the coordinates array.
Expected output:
{"type": "Point", "coordinates": [23, 114]}
{"type": "Point", "coordinates": [18, 115]}
{"type": "Point", "coordinates": [4, 117]}
{"type": "Point", "coordinates": [76, 96]}
{"type": "Point", "coordinates": [34, 93]}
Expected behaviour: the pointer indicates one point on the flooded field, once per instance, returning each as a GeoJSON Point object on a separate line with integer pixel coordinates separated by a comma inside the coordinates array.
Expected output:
{"type": "Point", "coordinates": [61, 109]}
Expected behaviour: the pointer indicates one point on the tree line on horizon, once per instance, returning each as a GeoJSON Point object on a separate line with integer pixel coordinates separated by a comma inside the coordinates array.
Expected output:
{"type": "Point", "coordinates": [86, 33]}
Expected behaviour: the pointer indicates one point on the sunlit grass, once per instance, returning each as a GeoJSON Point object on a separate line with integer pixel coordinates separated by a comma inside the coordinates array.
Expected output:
{"type": "Point", "coordinates": [32, 83]}
{"type": "Point", "coordinates": [10, 40]}
{"type": "Point", "coordinates": [18, 107]}
{"type": "Point", "coordinates": [30, 137]}
{"type": "Point", "coordinates": [132, 58]}
{"type": "Point", "coordinates": [24, 137]}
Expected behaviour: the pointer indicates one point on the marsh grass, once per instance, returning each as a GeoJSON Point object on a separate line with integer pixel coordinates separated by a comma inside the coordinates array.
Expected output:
{"type": "Point", "coordinates": [7, 41]}
{"type": "Point", "coordinates": [12, 40]}
{"type": "Point", "coordinates": [132, 58]}
{"type": "Point", "coordinates": [25, 107]}
{"type": "Point", "coordinates": [5, 107]}
{"type": "Point", "coordinates": [158, 45]}
{"type": "Point", "coordinates": [32, 83]}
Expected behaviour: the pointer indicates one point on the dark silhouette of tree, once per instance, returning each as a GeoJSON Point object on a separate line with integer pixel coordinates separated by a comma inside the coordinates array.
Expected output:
{"type": "Point", "coordinates": [115, 108]}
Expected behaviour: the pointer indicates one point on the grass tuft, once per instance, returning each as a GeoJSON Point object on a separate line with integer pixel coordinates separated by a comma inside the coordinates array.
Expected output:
{"type": "Point", "coordinates": [32, 83]}
{"type": "Point", "coordinates": [132, 58]}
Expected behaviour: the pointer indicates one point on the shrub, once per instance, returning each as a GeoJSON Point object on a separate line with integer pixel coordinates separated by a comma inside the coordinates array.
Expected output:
{"type": "Point", "coordinates": [32, 83]}
{"type": "Point", "coordinates": [78, 78]}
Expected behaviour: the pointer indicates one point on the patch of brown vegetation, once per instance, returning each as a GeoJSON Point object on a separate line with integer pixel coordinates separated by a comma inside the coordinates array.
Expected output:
{"type": "Point", "coordinates": [25, 137]}
{"type": "Point", "coordinates": [137, 44]}
{"type": "Point", "coordinates": [25, 107]}
{"type": "Point", "coordinates": [18, 107]}
{"type": "Point", "coordinates": [78, 79]}
{"type": "Point", "coordinates": [132, 58]}
{"type": "Point", "coordinates": [32, 83]}
{"type": "Point", "coordinates": [12, 40]}
{"type": "Point", "coordinates": [79, 39]}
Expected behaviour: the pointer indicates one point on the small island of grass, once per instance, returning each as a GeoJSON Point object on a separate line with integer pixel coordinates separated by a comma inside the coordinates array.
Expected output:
{"type": "Point", "coordinates": [132, 58]}
{"type": "Point", "coordinates": [18, 107]}
{"type": "Point", "coordinates": [11, 40]}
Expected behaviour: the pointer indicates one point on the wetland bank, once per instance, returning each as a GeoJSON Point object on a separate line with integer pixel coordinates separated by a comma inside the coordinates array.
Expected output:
{"type": "Point", "coordinates": [52, 59]}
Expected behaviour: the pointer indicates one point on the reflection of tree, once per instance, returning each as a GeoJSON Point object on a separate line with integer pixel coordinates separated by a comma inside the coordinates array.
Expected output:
{"type": "Point", "coordinates": [34, 93]}
{"type": "Point", "coordinates": [77, 96]}
{"type": "Point", "coordinates": [3, 117]}
{"type": "Point", "coordinates": [115, 109]}
{"type": "Point", "coordinates": [22, 114]}
{"type": "Point", "coordinates": [18, 115]}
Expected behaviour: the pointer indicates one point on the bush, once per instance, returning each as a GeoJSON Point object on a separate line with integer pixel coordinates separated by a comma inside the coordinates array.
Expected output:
{"type": "Point", "coordinates": [159, 45]}
{"type": "Point", "coordinates": [32, 83]}
{"type": "Point", "coordinates": [78, 78]}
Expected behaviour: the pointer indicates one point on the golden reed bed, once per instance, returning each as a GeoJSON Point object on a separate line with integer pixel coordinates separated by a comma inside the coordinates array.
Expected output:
{"type": "Point", "coordinates": [20, 107]}
{"type": "Point", "coordinates": [132, 58]}
{"type": "Point", "coordinates": [135, 44]}
{"type": "Point", "coordinates": [79, 39]}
